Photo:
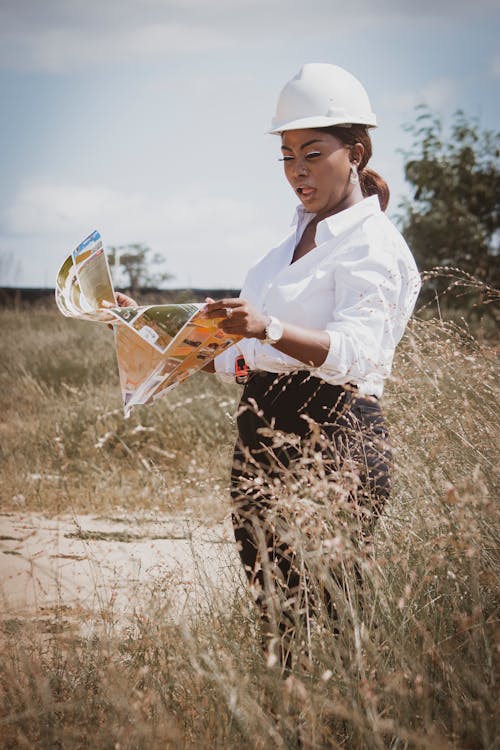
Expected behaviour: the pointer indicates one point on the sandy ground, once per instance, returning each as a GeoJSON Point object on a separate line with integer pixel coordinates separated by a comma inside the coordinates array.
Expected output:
{"type": "Point", "coordinates": [90, 566]}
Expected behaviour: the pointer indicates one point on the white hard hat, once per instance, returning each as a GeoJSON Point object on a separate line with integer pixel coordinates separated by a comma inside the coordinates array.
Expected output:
{"type": "Point", "coordinates": [322, 95]}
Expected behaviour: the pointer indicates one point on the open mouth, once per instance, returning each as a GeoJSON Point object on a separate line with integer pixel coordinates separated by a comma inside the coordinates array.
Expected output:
{"type": "Point", "coordinates": [305, 191]}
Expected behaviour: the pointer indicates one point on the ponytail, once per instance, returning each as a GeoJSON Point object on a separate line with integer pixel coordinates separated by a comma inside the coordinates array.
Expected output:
{"type": "Point", "coordinates": [373, 184]}
{"type": "Point", "coordinates": [370, 181]}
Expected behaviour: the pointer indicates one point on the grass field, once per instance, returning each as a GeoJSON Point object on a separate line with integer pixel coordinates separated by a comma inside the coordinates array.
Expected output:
{"type": "Point", "coordinates": [414, 668]}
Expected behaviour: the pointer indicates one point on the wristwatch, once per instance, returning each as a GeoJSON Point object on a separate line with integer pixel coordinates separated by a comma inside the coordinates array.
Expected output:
{"type": "Point", "coordinates": [273, 330]}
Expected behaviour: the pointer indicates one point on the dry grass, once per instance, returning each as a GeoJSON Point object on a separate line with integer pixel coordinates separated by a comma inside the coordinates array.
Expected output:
{"type": "Point", "coordinates": [413, 668]}
{"type": "Point", "coordinates": [65, 443]}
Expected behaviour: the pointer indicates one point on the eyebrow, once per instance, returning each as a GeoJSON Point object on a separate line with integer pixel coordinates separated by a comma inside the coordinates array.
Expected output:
{"type": "Point", "coordinates": [304, 145]}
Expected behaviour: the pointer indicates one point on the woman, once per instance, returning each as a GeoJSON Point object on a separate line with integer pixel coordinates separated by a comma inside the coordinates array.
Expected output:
{"type": "Point", "coordinates": [321, 315]}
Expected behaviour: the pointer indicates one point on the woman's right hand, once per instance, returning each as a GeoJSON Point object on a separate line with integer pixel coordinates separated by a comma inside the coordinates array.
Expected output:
{"type": "Point", "coordinates": [122, 300]}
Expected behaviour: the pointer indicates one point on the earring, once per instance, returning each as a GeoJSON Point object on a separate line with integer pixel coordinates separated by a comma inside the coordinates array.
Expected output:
{"type": "Point", "coordinates": [354, 177]}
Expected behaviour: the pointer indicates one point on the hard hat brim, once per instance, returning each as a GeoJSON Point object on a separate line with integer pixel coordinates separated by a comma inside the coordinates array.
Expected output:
{"type": "Point", "coordinates": [319, 122]}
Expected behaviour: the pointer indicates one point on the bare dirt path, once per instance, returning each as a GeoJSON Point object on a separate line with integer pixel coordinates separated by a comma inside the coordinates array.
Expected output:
{"type": "Point", "coordinates": [86, 566]}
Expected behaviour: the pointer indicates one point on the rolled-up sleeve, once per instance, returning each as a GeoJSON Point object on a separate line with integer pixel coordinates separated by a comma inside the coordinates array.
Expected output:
{"type": "Point", "coordinates": [372, 305]}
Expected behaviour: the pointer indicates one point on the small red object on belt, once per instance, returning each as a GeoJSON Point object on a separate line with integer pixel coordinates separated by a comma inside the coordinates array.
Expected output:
{"type": "Point", "coordinates": [241, 370]}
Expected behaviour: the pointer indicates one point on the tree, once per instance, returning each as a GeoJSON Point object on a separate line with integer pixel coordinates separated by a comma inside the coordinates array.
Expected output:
{"type": "Point", "coordinates": [453, 217]}
{"type": "Point", "coordinates": [135, 262]}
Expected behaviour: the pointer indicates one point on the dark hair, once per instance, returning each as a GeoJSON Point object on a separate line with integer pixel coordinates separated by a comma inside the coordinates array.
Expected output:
{"type": "Point", "coordinates": [371, 182]}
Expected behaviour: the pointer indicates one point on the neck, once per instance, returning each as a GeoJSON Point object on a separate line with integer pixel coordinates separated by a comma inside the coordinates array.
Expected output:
{"type": "Point", "coordinates": [353, 197]}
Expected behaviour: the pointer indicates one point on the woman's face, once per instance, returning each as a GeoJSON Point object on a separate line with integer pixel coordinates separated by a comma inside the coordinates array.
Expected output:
{"type": "Point", "coordinates": [317, 166]}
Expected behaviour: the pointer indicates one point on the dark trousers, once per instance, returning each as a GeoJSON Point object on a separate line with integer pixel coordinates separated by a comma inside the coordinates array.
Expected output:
{"type": "Point", "coordinates": [302, 442]}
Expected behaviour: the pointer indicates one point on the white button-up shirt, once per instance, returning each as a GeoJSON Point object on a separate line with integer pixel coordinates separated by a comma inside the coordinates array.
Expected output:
{"type": "Point", "coordinates": [360, 284]}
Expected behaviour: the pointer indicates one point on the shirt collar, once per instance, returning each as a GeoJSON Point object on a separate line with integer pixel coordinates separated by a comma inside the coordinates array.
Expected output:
{"type": "Point", "coordinates": [299, 215]}
{"type": "Point", "coordinates": [344, 220]}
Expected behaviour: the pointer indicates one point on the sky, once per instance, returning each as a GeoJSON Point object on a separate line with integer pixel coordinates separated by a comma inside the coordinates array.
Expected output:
{"type": "Point", "coordinates": [148, 119]}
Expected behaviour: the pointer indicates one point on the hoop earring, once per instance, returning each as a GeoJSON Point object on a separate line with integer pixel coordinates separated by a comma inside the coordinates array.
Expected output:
{"type": "Point", "coordinates": [353, 176]}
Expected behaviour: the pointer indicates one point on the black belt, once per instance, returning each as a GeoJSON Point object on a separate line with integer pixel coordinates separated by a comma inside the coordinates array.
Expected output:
{"type": "Point", "coordinates": [243, 375]}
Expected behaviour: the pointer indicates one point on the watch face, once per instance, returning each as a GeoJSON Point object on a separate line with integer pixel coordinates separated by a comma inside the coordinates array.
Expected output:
{"type": "Point", "coordinates": [274, 330]}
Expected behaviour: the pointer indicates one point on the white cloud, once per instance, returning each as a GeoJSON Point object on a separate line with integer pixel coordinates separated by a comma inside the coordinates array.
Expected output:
{"type": "Point", "coordinates": [57, 35]}
{"type": "Point", "coordinates": [59, 50]}
{"type": "Point", "coordinates": [437, 94]}
{"type": "Point", "coordinates": [207, 240]}
{"type": "Point", "coordinates": [56, 209]}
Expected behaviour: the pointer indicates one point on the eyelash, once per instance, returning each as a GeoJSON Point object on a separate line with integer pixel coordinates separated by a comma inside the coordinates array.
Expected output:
{"type": "Point", "coordinates": [312, 155]}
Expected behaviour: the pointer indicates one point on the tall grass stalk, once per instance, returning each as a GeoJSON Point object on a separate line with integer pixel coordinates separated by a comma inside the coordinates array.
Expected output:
{"type": "Point", "coordinates": [409, 661]}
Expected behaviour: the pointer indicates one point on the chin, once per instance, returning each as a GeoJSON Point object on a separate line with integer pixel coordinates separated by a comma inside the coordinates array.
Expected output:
{"type": "Point", "coordinates": [311, 206]}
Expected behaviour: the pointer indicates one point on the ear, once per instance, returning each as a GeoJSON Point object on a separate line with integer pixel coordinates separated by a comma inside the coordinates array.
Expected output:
{"type": "Point", "coordinates": [357, 153]}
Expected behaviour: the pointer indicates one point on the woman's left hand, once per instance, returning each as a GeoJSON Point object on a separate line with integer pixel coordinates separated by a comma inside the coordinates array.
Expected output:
{"type": "Point", "coordinates": [238, 316]}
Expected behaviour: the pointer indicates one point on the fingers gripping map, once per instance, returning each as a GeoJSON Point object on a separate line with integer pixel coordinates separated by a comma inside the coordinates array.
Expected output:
{"type": "Point", "coordinates": [157, 346]}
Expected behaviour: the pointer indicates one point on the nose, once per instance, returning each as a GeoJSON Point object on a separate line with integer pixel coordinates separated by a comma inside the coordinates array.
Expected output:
{"type": "Point", "coordinates": [299, 167]}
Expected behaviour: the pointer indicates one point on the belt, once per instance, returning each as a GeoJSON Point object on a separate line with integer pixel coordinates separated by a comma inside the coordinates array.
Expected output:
{"type": "Point", "coordinates": [243, 374]}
